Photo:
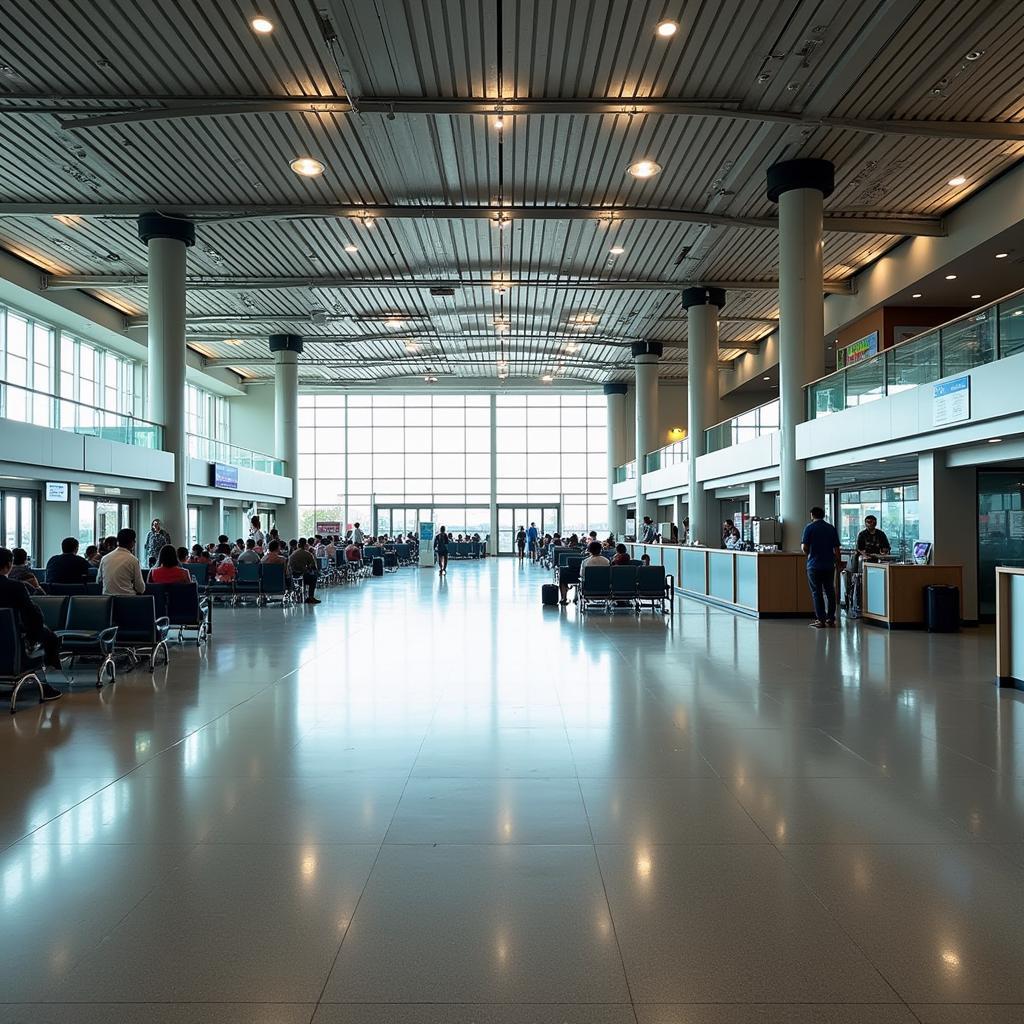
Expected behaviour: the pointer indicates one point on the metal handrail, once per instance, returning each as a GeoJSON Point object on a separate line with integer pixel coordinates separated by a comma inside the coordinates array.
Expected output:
{"type": "Point", "coordinates": [714, 435]}
{"type": "Point", "coordinates": [627, 471]}
{"type": "Point", "coordinates": [680, 448]}
{"type": "Point", "coordinates": [93, 422]}
{"type": "Point", "coordinates": [729, 419]}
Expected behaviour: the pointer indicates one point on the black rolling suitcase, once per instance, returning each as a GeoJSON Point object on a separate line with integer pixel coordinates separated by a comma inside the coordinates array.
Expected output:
{"type": "Point", "coordinates": [549, 595]}
{"type": "Point", "coordinates": [378, 566]}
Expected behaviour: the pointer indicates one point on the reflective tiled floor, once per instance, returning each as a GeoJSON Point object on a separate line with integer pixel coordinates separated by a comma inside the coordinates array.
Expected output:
{"type": "Point", "coordinates": [439, 802]}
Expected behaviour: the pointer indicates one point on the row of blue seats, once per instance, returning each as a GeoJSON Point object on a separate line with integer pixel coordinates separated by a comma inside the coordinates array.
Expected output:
{"type": "Point", "coordinates": [612, 585]}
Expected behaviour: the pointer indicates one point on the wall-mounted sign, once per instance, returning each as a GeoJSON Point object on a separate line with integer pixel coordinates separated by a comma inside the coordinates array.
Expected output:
{"type": "Point", "coordinates": [328, 529]}
{"type": "Point", "coordinates": [56, 492]}
{"type": "Point", "coordinates": [862, 348]}
{"type": "Point", "coordinates": [225, 476]}
{"type": "Point", "coordinates": [951, 401]}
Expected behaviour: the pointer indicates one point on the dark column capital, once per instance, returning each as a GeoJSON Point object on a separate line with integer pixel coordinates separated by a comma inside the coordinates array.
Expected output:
{"type": "Point", "coordinates": [615, 388]}
{"type": "Point", "coordinates": [156, 225]}
{"type": "Point", "coordinates": [701, 296]}
{"type": "Point", "coordinates": [647, 348]}
{"type": "Point", "coordinates": [285, 343]}
{"type": "Point", "coordinates": [801, 173]}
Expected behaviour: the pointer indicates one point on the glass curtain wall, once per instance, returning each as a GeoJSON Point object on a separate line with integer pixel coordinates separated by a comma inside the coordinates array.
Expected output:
{"type": "Point", "coordinates": [1000, 531]}
{"type": "Point", "coordinates": [895, 507]}
{"type": "Point", "coordinates": [358, 453]}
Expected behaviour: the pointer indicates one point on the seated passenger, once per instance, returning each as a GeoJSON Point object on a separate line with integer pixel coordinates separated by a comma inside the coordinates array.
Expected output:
{"type": "Point", "coordinates": [273, 555]}
{"type": "Point", "coordinates": [120, 572]}
{"type": "Point", "coordinates": [225, 571]}
{"type": "Point", "coordinates": [69, 566]}
{"type": "Point", "coordinates": [353, 553]}
{"type": "Point", "coordinates": [92, 555]}
{"type": "Point", "coordinates": [30, 622]}
{"type": "Point", "coordinates": [222, 546]}
{"type": "Point", "coordinates": [330, 550]}
{"type": "Point", "coordinates": [168, 569]}
{"type": "Point", "coordinates": [621, 556]}
{"type": "Point", "coordinates": [237, 548]}
{"type": "Point", "coordinates": [302, 565]}
{"type": "Point", "coordinates": [22, 571]}
{"type": "Point", "coordinates": [249, 555]}
{"type": "Point", "coordinates": [645, 559]}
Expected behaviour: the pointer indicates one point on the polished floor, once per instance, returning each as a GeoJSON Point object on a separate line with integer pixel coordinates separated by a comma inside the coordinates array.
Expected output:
{"type": "Point", "coordinates": [436, 801]}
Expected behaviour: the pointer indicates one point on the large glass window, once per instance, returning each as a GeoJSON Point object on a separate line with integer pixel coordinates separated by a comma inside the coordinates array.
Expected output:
{"type": "Point", "coordinates": [895, 508]}
{"type": "Point", "coordinates": [101, 380]}
{"type": "Point", "coordinates": [358, 452]}
{"type": "Point", "coordinates": [26, 360]}
{"type": "Point", "coordinates": [207, 418]}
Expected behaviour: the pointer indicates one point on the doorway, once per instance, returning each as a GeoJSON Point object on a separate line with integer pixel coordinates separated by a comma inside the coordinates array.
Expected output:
{"type": "Point", "coordinates": [19, 512]}
{"type": "Point", "coordinates": [511, 517]}
{"type": "Point", "coordinates": [102, 517]}
{"type": "Point", "coordinates": [402, 519]}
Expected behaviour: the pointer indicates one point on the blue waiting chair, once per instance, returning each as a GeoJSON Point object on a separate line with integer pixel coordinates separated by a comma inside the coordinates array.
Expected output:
{"type": "Point", "coordinates": [247, 582]}
{"type": "Point", "coordinates": [17, 667]}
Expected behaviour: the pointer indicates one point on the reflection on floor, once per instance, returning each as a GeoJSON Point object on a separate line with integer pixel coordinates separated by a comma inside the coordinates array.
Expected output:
{"type": "Point", "coordinates": [438, 801]}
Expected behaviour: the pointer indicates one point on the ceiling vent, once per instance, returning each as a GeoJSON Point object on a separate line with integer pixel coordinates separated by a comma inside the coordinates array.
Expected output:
{"type": "Point", "coordinates": [442, 293]}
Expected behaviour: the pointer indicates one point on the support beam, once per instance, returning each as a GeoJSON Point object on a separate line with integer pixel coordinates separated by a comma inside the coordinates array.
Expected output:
{"type": "Point", "coordinates": [892, 224]}
{"type": "Point", "coordinates": [424, 363]}
{"type": "Point", "coordinates": [117, 282]}
{"type": "Point", "coordinates": [109, 110]}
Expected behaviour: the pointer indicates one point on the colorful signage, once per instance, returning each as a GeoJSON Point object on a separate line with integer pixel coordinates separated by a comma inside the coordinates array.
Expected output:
{"type": "Point", "coordinates": [328, 529]}
{"type": "Point", "coordinates": [951, 401]}
{"type": "Point", "coordinates": [863, 348]}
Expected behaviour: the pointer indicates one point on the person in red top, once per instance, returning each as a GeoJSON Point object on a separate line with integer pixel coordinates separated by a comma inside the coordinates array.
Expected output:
{"type": "Point", "coordinates": [226, 571]}
{"type": "Point", "coordinates": [621, 556]}
{"type": "Point", "coordinates": [169, 570]}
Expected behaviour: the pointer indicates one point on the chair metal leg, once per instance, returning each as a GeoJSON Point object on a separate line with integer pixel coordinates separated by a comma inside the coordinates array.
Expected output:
{"type": "Point", "coordinates": [31, 677]}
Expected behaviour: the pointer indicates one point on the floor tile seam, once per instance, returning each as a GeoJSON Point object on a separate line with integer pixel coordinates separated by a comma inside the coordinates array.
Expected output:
{"type": "Point", "coordinates": [920, 735]}
{"type": "Point", "coordinates": [369, 874]}
{"type": "Point", "coordinates": [833, 916]}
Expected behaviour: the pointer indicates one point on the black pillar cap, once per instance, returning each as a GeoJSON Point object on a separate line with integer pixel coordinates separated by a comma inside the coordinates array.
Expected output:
{"type": "Point", "coordinates": [701, 296]}
{"type": "Point", "coordinates": [801, 173]}
{"type": "Point", "coordinates": [285, 343]}
{"type": "Point", "coordinates": [647, 348]}
{"type": "Point", "coordinates": [615, 389]}
{"type": "Point", "coordinates": [156, 225]}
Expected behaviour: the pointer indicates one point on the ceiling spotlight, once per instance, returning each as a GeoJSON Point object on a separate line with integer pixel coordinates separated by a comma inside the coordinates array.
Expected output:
{"type": "Point", "coordinates": [616, 250]}
{"type": "Point", "coordinates": [995, 440]}
{"type": "Point", "coordinates": [976, 296]}
{"type": "Point", "coordinates": [430, 379]}
{"type": "Point", "coordinates": [766, 378]}
{"type": "Point", "coordinates": [951, 277]}
{"type": "Point", "coordinates": [1001, 255]}
{"type": "Point", "coordinates": [916, 295]}
{"type": "Point", "coordinates": [973, 55]}
{"type": "Point", "coordinates": [644, 168]}
{"type": "Point", "coordinates": [351, 248]}
{"type": "Point", "coordinates": [882, 460]}
{"type": "Point", "coordinates": [501, 220]}
{"type": "Point", "coordinates": [667, 28]}
{"type": "Point", "coordinates": [499, 122]}
{"type": "Point", "coordinates": [958, 181]}
{"type": "Point", "coordinates": [307, 166]}
{"type": "Point", "coordinates": [261, 25]}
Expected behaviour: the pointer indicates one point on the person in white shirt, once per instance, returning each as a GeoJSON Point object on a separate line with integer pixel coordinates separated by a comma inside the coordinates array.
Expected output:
{"type": "Point", "coordinates": [357, 535]}
{"type": "Point", "coordinates": [330, 549]}
{"type": "Point", "coordinates": [250, 554]}
{"type": "Point", "coordinates": [320, 551]}
{"type": "Point", "coordinates": [256, 534]}
{"type": "Point", "coordinates": [595, 558]}
{"type": "Point", "coordinates": [119, 572]}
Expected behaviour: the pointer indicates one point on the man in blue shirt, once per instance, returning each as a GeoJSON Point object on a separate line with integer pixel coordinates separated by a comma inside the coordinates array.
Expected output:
{"type": "Point", "coordinates": [820, 543]}
{"type": "Point", "coordinates": [531, 540]}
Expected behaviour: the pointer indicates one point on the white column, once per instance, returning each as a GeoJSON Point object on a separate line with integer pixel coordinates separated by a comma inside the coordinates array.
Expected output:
{"type": "Point", "coordinates": [702, 306]}
{"type": "Point", "coordinates": [948, 507]}
{"type": "Point", "coordinates": [645, 361]}
{"type": "Point", "coordinates": [168, 239]}
{"type": "Point", "coordinates": [286, 349]}
{"type": "Point", "coordinates": [799, 187]}
{"type": "Point", "coordinates": [615, 399]}
{"type": "Point", "coordinates": [492, 546]}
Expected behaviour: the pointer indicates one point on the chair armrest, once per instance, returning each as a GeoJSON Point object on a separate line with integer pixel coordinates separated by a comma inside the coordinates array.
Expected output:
{"type": "Point", "coordinates": [670, 582]}
{"type": "Point", "coordinates": [106, 638]}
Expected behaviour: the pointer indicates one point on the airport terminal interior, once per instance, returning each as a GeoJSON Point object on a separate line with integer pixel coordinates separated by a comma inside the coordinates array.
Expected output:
{"type": "Point", "coordinates": [512, 512]}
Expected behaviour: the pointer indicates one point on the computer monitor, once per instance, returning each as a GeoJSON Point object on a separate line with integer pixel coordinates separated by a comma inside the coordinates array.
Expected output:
{"type": "Point", "coordinates": [922, 551]}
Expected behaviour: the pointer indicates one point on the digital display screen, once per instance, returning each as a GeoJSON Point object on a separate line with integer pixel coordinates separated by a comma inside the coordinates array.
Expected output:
{"type": "Point", "coordinates": [225, 476]}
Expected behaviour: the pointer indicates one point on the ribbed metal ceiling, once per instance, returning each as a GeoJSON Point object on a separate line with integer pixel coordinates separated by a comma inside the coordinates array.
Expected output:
{"type": "Point", "coordinates": [948, 60]}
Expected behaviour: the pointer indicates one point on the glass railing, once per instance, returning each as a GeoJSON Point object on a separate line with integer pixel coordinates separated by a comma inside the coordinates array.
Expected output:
{"type": "Point", "coordinates": [982, 336]}
{"type": "Point", "coordinates": [626, 472]}
{"type": "Point", "coordinates": [232, 455]}
{"type": "Point", "coordinates": [670, 455]}
{"type": "Point", "coordinates": [26, 405]}
{"type": "Point", "coordinates": [744, 427]}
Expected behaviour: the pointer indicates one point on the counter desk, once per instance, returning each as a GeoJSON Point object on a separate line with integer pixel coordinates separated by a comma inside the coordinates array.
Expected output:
{"type": "Point", "coordinates": [760, 584]}
{"type": "Point", "coordinates": [894, 592]}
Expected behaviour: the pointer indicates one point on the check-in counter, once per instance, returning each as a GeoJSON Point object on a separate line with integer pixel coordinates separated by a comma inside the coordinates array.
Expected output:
{"type": "Point", "coordinates": [1010, 626]}
{"type": "Point", "coordinates": [755, 583]}
{"type": "Point", "coordinates": [893, 593]}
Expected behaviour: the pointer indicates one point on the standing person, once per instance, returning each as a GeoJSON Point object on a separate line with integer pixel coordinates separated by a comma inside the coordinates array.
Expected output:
{"type": "Point", "coordinates": [155, 541]}
{"type": "Point", "coordinates": [120, 572]}
{"type": "Point", "coordinates": [820, 543]}
{"type": "Point", "coordinates": [441, 550]}
{"type": "Point", "coordinates": [727, 528]}
{"type": "Point", "coordinates": [647, 532]}
{"type": "Point", "coordinates": [358, 536]}
{"type": "Point", "coordinates": [531, 540]}
{"type": "Point", "coordinates": [521, 543]}
{"type": "Point", "coordinates": [256, 534]}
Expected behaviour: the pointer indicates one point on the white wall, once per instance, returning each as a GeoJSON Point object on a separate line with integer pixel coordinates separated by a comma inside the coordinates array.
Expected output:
{"type": "Point", "coordinates": [252, 418]}
{"type": "Point", "coordinates": [671, 412]}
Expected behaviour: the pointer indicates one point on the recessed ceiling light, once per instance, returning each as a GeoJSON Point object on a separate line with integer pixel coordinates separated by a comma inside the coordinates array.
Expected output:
{"type": "Point", "coordinates": [351, 248]}
{"type": "Point", "coordinates": [976, 296]}
{"type": "Point", "coordinates": [499, 122]}
{"type": "Point", "coordinates": [995, 440]}
{"type": "Point", "coordinates": [882, 460]}
{"type": "Point", "coordinates": [951, 277]}
{"type": "Point", "coordinates": [616, 250]}
{"type": "Point", "coordinates": [958, 181]}
{"type": "Point", "coordinates": [916, 295]}
{"type": "Point", "coordinates": [766, 378]}
{"type": "Point", "coordinates": [1001, 255]}
{"type": "Point", "coordinates": [973, 54]}
{"type": "Point", "coordinates": [667, 28]}
{"type": "Point", "coordinates": [307, 166]}
{"type": "Point", "coordinates": [644, 168]}
{"type": "Point", "coordinates": [261, 25]}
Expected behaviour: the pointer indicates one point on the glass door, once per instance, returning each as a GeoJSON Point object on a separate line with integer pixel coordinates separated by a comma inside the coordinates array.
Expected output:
{"type": "Point", "coordinates": [102, 517]}
{"type": "Point", "coordinates": [510, 517]}
{"type": "Point", "coordinates": [18, 512]}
